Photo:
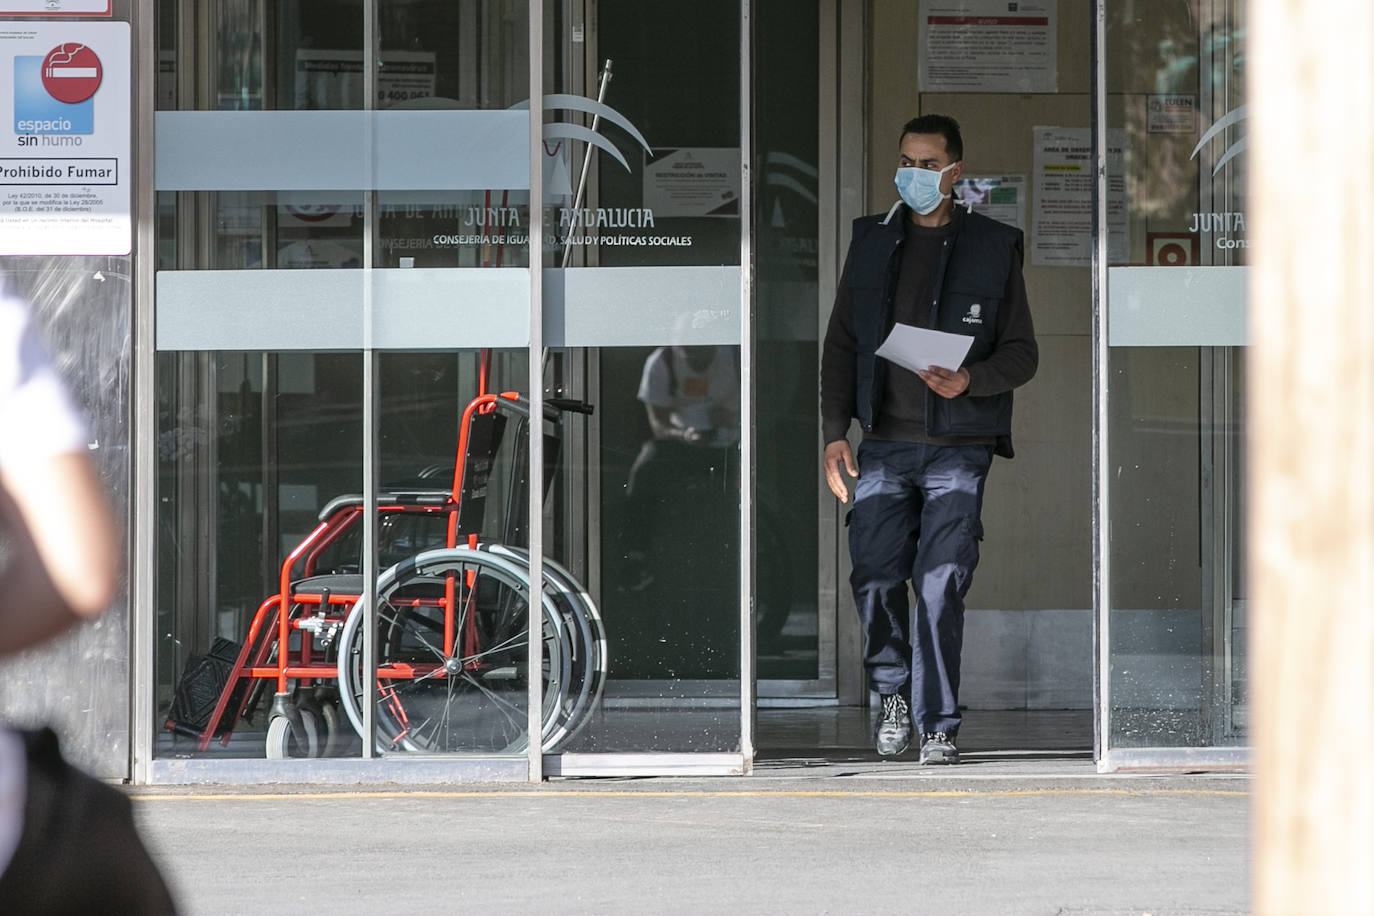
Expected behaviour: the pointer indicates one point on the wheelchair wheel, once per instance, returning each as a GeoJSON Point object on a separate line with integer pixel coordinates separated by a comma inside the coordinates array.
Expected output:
{"type": "Point", "coordinates": [468, 697]}
{"type": "Point", "coordinates": [334, 738]}
{"type": "Point", "coordinates": [284, 742]}
{"type": "Point", "coordinates": [582, 620]}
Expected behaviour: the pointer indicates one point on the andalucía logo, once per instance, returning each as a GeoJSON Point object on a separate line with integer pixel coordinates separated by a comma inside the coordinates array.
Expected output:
{"type": "Point", "coordinates": [53, 94]}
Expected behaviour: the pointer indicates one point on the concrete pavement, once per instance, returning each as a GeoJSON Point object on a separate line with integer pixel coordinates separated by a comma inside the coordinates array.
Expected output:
{"type": "Point", "coordinates": [861, 836]}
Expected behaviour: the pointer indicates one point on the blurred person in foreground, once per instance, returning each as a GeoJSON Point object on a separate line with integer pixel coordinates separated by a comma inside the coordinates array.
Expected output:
{"type": "Point", "coordinates": [67, 841]}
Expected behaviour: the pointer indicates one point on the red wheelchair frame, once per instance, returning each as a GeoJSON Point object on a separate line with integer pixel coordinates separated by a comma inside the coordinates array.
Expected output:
{"type": "Point", "coordinates": [307, 609]}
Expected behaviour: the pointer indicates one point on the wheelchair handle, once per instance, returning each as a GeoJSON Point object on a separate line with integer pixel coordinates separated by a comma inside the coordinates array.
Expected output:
{"type": "Point", "coordinates": [570, 405]}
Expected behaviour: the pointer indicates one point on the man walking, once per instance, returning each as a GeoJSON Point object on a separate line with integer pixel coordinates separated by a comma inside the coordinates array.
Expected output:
{"type": "Point", "coordinates": [928, 437]}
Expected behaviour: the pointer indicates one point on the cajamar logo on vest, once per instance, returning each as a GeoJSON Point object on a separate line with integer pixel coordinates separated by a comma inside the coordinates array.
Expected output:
{"type": "Point", "coordinates": [1227, 227]}
{"type": "Point", "coordinates": [975, 314]}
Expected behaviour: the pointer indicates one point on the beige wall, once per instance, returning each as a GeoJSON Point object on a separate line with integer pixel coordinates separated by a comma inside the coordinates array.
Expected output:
{"type": "Point", "coordinates": [1038, 510]}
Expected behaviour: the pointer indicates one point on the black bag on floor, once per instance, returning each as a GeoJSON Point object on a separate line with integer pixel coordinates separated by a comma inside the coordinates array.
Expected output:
{"type": "Point", "coordinates": [200, 686]}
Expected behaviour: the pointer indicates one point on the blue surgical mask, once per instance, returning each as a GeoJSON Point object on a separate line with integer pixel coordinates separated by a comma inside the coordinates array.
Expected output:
{"type": "Point", "coordinates": [920, 188]}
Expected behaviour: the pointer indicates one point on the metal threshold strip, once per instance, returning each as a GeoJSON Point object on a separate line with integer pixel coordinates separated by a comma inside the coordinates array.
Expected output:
{"type": "Point", "coordinates": [1115, 760]}
{"type": "Point", "coordinates": [645, 764]}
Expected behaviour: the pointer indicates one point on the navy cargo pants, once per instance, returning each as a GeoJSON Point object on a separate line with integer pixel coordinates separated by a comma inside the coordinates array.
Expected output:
{"type": "Point", "coordinates": [916, 517]}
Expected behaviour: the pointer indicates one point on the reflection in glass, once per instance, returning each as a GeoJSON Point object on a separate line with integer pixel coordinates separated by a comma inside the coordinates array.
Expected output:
{"type": "Point", "coordinates": [669, 479]}
{"type": "Point", "coordinates": [680, 519]}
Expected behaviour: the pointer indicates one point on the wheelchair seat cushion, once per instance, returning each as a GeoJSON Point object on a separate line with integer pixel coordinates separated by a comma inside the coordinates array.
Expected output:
{"type": "Point", "coordinates": [337, 584]}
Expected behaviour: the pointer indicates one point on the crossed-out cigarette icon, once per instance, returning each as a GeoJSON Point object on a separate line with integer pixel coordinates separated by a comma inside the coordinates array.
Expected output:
{"type": "Point", "coordinates": [54, 71]}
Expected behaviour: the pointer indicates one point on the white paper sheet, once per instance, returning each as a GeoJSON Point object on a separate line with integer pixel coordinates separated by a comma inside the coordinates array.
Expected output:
{"type": "Point", "coordinates": [918, 349]}
{"type": "Point", "coordinates": [1062, 197]}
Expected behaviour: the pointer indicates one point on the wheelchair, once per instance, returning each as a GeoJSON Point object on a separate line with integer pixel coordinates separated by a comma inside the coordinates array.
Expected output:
{"type": "Point", "coordinates": [453, 611]}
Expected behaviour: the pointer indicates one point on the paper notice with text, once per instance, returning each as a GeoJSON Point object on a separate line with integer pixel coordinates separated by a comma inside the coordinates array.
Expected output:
{"type": "Point", "coordinates": [988, 46]}
{"type": "Point", "coordinates": [65, 174]}
{"type": "Point", "coordinates": [1062, 212]}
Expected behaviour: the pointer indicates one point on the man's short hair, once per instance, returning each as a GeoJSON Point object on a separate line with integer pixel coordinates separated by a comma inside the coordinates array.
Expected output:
{"type": "Point", "coordinates": [943, 125]}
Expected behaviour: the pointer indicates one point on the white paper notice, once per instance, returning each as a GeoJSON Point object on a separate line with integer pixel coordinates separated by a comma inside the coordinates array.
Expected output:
{"type": "Point", "coordinates": [1062, 216]}
{"type": "Point", "coordinates": [1171, 114]}
{"type": "Point", "coordinates": [56, 8]}
{"type": "Point", "coordinates": [693, 182]}
{"type": "Point", "coordinates": [64, 156]}
{"type": "Point", "coordinates": [918, 349]}
{"type": "Point", "coordinates": [988, 46]}
{"type": "Point", "coordinates": [334, 78]}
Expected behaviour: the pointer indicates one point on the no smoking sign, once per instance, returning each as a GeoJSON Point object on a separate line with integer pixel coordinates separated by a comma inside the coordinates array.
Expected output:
{"type": "Point", "coordinates": [65, 147]}
{"type": "Point", "coordinates": [71, 73]}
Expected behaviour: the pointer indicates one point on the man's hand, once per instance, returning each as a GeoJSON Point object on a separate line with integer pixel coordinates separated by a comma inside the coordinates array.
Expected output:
{"type": "Point", "coordinates": [945, 383]}
{"type": "Point", "coordinates": [837, 453]}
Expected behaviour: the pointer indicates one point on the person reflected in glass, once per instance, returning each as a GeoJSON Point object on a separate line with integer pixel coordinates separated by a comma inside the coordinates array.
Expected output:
{"type": "Point", "coordinates": [683, 498]}
{"type": "Point", "coordinates": [691, 395]}
{"type": "Point", "coordinates": [929, 436]}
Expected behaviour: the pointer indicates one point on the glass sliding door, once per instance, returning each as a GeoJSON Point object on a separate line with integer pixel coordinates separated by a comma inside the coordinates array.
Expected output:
{"type": "Point", "coordinates": [392, 391]}
{"type": "Point", "coordinates": [643, 321]}
{"type": "Point", "coordinates": [1172, 449]}
{"type": "Point", "coordinates": [342, 293]}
